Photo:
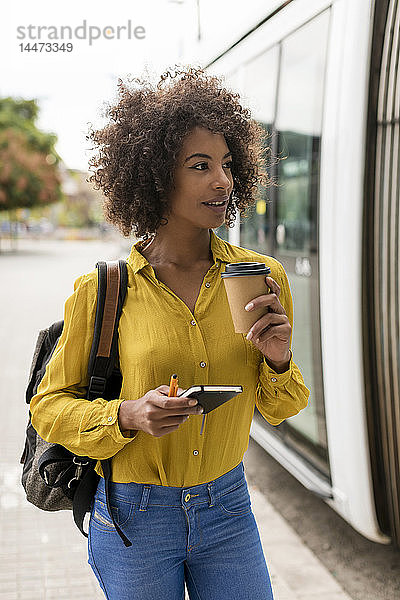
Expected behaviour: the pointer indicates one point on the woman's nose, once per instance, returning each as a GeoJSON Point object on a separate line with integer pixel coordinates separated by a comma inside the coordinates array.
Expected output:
{"type": "Point", "coordinates": [222, 180]}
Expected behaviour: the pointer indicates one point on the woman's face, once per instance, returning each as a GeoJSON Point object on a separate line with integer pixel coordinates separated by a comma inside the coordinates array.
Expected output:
{"type": "Point", "coordinates": [202, 178]}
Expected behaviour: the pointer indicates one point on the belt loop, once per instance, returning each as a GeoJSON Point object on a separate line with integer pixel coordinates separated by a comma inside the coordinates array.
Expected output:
{"type": "Point", "coordinates": [209, 488]}
{"type": "Point", "coordinates": [145, 498]}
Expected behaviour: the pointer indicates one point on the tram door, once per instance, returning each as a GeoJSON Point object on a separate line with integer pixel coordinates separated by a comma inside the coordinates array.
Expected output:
{"type": "Point", "coordinates": [284, 87]}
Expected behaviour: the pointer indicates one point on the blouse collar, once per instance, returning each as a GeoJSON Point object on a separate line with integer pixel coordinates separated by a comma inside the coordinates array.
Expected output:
{"type": "Point", "coordinates": [219, 249]}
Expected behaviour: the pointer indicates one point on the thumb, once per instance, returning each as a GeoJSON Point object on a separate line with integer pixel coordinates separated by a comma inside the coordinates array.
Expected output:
{"type": "Point", "coordinates": [164, 389]}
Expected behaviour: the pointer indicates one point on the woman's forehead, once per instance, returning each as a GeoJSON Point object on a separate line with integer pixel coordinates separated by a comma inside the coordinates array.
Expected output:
{"type": "Point", "coordinates": [201, 139]}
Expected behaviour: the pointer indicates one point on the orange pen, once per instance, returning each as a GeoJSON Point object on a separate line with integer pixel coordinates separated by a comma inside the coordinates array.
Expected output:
{"type": "Point", "coordinates": [173, 386]}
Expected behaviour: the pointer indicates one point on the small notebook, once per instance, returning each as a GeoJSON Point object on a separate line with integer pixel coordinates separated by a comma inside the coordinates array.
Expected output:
{"type": "Point", "coordinates": [211, 396]}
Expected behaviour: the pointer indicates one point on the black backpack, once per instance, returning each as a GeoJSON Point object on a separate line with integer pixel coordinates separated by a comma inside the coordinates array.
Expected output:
{"type": "Point", "coordinates": [53, 477]}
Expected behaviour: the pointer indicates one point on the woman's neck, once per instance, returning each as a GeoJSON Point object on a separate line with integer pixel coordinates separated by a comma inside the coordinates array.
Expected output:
{"type": "Point", "coordinates": [182, 250]}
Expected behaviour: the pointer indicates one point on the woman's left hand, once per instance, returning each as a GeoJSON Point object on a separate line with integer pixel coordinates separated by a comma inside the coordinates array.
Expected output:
{"type": "Point", "coordinates": [271, 333]}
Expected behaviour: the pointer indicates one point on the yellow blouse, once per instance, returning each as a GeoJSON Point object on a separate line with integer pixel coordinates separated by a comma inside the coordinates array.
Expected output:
{"type": "Point", "coordinates": [158, 336]}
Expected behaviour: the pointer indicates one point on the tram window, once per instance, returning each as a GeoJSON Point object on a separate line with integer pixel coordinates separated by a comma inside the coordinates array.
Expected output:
{"type": "Point", "coordinates": [284, 87]}
{"type": "Point", "coordinates": [299, 129]}
{"type": "Point", "coordinates": [259, 86]}
{"type": "Point", "coordinates": [299, 125]}
{"type": "Point", "coordinates": [232, 81]}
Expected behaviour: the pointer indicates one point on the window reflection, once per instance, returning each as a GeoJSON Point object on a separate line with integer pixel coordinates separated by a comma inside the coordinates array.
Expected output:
{"type": "Point", "coordinates": [299, 126]}
{"type": "Point", "coordinates": [258, 90]}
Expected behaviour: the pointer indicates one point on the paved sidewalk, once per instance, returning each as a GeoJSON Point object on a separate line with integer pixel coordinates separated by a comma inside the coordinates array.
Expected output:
{"type": "Point", "coordinates": [43, 555]}
{"type": "Point", "coordinates": [296, 573]}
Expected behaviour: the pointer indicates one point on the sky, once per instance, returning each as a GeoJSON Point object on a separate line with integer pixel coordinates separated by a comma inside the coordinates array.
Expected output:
{"type": "Point", "coordinates": [111, 39]}
{"type": "Point", "coordinates": [73, 87]}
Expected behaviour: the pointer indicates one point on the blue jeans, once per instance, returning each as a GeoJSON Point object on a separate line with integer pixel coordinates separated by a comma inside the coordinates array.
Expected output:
{"type": "Point", "coordinates": [205, 535]}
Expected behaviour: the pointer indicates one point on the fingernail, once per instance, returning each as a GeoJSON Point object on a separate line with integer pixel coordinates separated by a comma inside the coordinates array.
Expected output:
{"type": "Point", "coordinates": [249, 336]}
{"type": "Point", "coordinates": [249, 306]}
{"type": "Point", "coordinates": [192, 402]}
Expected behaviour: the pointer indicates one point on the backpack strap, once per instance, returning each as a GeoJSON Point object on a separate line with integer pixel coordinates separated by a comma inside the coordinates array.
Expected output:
{"type": "Point", "coordinates": [112, 286]}
{"type": "Point", "coordinates": [106, 466]}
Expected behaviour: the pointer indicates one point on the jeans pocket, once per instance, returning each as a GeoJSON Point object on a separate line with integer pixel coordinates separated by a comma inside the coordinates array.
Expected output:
{"type": "Point", "coordinates": [101, 519]}
{"type": "Point", "coordinates": [236, 501]}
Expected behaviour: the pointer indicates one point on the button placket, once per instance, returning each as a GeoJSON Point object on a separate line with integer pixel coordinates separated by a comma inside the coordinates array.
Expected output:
{"type": "Point", "coordinates": [167, 289]}
{"type": "Point", "coordinates": [210, 282]}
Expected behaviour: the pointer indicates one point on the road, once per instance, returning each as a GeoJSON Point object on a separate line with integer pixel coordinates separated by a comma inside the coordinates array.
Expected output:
{"type": "Point", "coordinates": [35, 283]}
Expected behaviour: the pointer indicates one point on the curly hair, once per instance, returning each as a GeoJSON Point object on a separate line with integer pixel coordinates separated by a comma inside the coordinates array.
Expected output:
{"type": "Point", "coordinates": [137, 150]}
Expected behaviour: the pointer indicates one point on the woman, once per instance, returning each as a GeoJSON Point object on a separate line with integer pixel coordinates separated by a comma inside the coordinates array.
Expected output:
{"type": "Point", "coordinates": [174, 163]}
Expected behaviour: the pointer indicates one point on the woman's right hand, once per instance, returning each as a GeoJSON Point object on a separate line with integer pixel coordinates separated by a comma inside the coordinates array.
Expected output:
{"type": "Point", "coordinates": [155, 413]}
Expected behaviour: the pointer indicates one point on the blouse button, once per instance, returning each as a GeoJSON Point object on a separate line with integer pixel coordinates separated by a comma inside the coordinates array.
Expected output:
{"type": "Point", "coordinates": [109, 419]}
{"type": "Point", "coordinates": [193, 322]}
{"type": "Point", "coordinates": [195, 452]}
{"type": "Point", "coordinates": [274, 379]}
{"type": "Point", "coordinates": [208, 284]}
{"type": "Point", "coordinates": [202, 364]}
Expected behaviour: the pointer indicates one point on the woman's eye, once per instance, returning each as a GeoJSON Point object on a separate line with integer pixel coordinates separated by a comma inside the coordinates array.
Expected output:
{"type": "Point", "coordinates": [199, 165]}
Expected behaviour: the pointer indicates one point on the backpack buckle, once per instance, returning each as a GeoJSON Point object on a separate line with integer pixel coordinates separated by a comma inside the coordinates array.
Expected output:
{"type": "Point", "coordinates": [79, 469]}
{"type": "Point", "coordinates": [97, 385]}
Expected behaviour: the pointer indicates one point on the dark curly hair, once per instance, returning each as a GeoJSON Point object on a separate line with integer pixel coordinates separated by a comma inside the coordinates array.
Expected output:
{"type": "Point", "coordinates": [137, 150]}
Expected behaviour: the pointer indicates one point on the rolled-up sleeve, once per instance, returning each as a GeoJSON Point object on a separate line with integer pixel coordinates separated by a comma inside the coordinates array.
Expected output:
{"type": "Point", "coordinates": [281, 395]}
{"type": "Point", "coordinates": [60, 412]}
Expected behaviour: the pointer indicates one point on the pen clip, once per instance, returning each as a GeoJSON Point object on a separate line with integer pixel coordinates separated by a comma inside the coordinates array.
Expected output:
{"type": "Point", "coordinates": [202, 424]}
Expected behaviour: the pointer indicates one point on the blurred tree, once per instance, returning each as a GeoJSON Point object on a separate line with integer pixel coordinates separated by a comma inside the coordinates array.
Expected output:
{"type": "Point", "coordinates": [29, 173]}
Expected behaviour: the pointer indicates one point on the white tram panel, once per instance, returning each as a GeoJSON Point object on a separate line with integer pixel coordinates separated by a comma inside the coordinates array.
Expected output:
{"type": "Point", "coordinates": [341, 210]}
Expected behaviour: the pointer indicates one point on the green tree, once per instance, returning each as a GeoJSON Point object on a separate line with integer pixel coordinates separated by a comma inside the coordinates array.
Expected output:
{"type": "Point", "coordinates": [29, 173]}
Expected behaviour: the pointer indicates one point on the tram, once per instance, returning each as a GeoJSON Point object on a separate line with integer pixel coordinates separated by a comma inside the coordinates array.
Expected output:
{"type": "Point", "coordinates": [322, 77]}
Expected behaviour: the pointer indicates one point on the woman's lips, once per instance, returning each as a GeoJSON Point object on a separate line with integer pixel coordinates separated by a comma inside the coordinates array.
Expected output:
{"type": "Point", "coordinates": [217, 209]}
{"type": "Point", "coordinates": [221, 208]}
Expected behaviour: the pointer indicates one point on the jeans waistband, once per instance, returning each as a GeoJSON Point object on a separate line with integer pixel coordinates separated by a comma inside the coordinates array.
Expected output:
{"type": "Point", "coordinates": [151, 494]}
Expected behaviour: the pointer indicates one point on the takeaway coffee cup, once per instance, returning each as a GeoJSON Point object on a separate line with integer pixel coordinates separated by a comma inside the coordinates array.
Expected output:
{"type": "Point", "coordinates": [243, 282]}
